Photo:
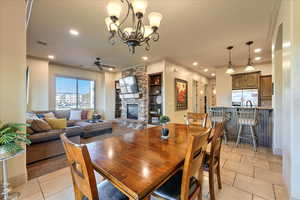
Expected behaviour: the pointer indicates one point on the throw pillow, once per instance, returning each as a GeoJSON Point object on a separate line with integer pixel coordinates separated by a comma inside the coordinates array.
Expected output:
{"type": "Point", "coordinates": [29, 130]}
{"type": "Point", "coordinates": [49, 115]}
{"type": "Point", "coordinates": [31, 116]}
{"type": "Point", "coordinates": [40, 125]}
{"type": "Point", "coordinates": [84, 114]}
{"type": "Point", "coordinates": [57, 123]}
{"type": "Point", "coordinates": [40, 116]}
{"type": "Point", "coordinates": [90, 114]}
{"type": "Point", "coordinates": [75, 115]}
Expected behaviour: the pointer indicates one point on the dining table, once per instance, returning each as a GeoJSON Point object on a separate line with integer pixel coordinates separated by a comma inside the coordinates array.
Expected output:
{"type": "Point", "coordinates": [137, 163]}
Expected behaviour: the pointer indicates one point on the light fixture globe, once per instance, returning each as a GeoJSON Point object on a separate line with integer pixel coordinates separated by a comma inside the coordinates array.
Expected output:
{"type": "Point", "coordinates": [249, 68]}
{"type": "Point", "coordinates": [155, 19]}
{"type": "Point", "coordinates": [114, 8]}
{"type": "Point", "coordinates": [230, 71]}
{"type": "Point", "coordinates": [138, 34]}
{"type": "Point", "coordinates": [139, 7]}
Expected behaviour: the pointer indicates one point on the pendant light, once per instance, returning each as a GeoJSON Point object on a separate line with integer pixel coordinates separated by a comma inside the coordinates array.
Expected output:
{"type": "Point", "coordinates": [249, 66]}
{"type": "Point", "coordinates": [230, 69]}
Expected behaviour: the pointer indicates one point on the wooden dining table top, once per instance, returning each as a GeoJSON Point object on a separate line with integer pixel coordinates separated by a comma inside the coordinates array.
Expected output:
{"type": "Point", "coordinates": [138, 162]}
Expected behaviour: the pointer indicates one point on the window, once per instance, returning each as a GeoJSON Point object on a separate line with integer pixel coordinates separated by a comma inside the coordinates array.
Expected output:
{"type": "Point", "coordinates": [74, 93]}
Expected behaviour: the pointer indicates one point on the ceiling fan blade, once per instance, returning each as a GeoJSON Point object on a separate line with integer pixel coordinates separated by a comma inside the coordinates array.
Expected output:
{"type": "Point", "coordinates": [100, 68]}
{"type": "Point", "coordinates": [108, 66]}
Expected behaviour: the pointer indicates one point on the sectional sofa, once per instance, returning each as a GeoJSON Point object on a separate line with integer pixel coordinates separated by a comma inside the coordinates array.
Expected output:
{"type": "Point", "coordinates": [47, 144]}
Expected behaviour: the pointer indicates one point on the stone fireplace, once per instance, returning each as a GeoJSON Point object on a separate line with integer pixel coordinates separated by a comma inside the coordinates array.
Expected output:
{"type": "Point", "coordinates": [138, 106]}
{"type": "Point", "coordinates": [133, 111]}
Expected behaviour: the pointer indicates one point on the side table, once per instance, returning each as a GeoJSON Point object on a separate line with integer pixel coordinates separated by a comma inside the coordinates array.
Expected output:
{"type": "Point", "coordinates": [6, 193]}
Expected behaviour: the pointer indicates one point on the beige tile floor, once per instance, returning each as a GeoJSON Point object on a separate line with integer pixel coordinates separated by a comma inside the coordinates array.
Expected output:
{"type": "Point", "coordinates": [245, 175]}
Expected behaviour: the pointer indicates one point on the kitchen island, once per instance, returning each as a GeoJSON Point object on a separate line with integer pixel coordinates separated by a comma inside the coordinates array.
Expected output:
{"type": "Point", "coordinates": [263, 128]}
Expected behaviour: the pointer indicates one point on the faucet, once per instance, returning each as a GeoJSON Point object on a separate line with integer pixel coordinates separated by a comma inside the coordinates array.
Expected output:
{"type": "Point", "coordinates": [249, 101]}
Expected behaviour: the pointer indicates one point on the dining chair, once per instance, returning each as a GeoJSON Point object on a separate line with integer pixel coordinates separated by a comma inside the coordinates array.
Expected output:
{"type": "Point", "coordinates": [196, 119]}
{"type": "Point", "coordinates": [82, 171]}
{"type": "Point", "coordinates": [218, 115]}
{"type": "Point", "coordinates": [186, 184]}
{"type": "Point", "coordinates": [212, 158]}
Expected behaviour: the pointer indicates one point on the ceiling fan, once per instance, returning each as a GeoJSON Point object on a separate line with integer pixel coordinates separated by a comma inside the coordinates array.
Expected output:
{"type": "Point", "coordinates": [101, 66]}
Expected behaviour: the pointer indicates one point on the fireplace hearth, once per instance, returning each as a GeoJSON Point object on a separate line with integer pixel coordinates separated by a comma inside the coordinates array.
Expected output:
{"type": "Point", "coordinates": [133, 111]}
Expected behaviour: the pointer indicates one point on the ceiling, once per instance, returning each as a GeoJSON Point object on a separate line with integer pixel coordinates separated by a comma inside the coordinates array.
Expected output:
{"type": "Point", "coordinates": [191, 30]}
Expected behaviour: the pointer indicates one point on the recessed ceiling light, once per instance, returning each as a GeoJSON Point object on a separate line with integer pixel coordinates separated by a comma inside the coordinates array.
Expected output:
{"type": "Point", "coordinates": [145, 58]}
{"type": "Point", "coordinates": [205, 70]}
{"type": "Point", "coordinates": [51, 57]}
{"type": "Point", "coordinates": [213, 74]}
{"type": "Point", "coordinates": [74, 32]}
{"type": "Point", "coordinates": [110, 69]}
{"type": "Point", "coordinates": [257, 50]}
{"type": "Point", "coordinates": [195, 63]}
{"type": "Point", "coordinates": [257, 58]}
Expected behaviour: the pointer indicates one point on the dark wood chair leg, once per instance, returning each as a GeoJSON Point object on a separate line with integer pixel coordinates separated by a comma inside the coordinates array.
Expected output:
{"type": "Point", "coordinates": [219, 176]}
{"type": "Point", "coordinates": [211, 185]}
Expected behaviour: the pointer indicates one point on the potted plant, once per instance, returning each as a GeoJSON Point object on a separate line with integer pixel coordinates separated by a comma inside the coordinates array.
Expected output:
{"type": "Point", "coordinates": [12, 137]}
{"type": "Point", "coordinates": [164, 131]}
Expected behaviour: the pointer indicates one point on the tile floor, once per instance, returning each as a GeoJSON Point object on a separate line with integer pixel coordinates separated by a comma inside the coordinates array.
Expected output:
{"type": "Point", "coordinates": [245, 175]}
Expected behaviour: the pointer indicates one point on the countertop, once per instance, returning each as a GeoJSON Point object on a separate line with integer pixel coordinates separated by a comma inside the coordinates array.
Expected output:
{"type": "Point", "coordinates": [259, 107]}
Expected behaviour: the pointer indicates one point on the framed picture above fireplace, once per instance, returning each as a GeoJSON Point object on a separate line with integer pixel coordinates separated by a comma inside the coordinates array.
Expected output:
{"type": "Point", "coordinates": [181, 94]}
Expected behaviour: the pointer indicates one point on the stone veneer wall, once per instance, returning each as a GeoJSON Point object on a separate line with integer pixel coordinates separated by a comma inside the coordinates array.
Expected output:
{"type": "Point", "coordinates": [141, 73]}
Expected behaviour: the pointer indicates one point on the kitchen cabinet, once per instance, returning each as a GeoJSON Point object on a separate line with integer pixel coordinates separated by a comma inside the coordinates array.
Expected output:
{"type": "Point", "coordinates": [251, 80]}
{"type": "Point", "coordinates": [245, 81]}
{"type": "Point", "coordinates": [237, 82]}
{"type": "Point", "coordinates": [266, 90]}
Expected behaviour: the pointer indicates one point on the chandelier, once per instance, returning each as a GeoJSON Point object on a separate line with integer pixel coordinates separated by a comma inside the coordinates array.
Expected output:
{"type": "Point", "coordinates": [137, 34]}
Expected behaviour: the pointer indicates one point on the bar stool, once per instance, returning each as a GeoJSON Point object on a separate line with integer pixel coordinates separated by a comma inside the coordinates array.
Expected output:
{"type": "Point", "coordinates": [247, 117]}
{"type": "Point", "coordinates": [218, 115]}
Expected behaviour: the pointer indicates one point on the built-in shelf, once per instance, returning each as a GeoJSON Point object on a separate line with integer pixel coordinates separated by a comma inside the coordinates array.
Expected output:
{"type": "Point", "coordinates": [118, 103]}
{"type": "Point", "coordinates": [155, 98]}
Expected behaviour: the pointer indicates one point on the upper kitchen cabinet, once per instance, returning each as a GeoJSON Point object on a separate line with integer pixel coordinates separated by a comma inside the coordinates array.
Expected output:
{"type": "Point", "coordinates": [237, 82]}
{"type": "Point", "coordinates": [252, 80]}
{"type": "Point", "coordinates": [245, 81]}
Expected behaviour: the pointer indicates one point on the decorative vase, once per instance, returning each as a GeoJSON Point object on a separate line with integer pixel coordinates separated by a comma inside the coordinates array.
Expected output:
{"type": "Point", "coordinates": [164, 132]}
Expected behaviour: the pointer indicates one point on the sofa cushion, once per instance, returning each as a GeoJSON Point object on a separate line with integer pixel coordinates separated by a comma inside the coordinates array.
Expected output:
{"type": "Point", "coordinates": [45, 136]}
{"type": "Point", "coordinates": [84, 114]}
{"type": "Point", "coordinates": [62, 114]}
{"type": "Point", "coordinates": [73, 131]}
{"type": "Point", "coordinates": [40, 125]}
{"type": "Point", "coordinates": [90, 114]}
{"type": "Point", "coordinates": [54, 134]}
{"type": "Point", "coordinates": [75, 115]}
{"type": "Point", "coordinates": [57, 123]}
{"type": "Point", "coordinates": [49, 115]}
{"type": "Point", "coordinates": [29, 130]}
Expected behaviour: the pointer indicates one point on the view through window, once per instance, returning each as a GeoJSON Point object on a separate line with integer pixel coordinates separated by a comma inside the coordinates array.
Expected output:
{"type": "Point", "coordinates": [74, 93]}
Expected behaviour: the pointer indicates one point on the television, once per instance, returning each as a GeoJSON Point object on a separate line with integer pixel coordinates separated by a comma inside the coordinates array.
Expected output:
{"type": "Point", "coordinates": [128, 85]}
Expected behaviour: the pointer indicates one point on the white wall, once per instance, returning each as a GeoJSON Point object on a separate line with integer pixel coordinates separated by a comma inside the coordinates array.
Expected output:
{"type": "Point", "coordinates": [12, 75]}
{"type": "Point", "coordinates": [289, 18]}
{"type": "Point", "coordinates": [38, 84]}
{"type": "Point", "coordinates": [42, 86]}
{"type": "Point", "coordinates": [171, 72]}
{"type": "Point", "coordinates": [224, 82]}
